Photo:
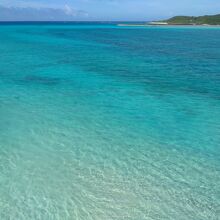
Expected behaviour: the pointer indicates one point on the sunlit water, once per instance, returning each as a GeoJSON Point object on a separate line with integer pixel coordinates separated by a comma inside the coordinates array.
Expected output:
{"type": "Point", "coordinates": [102, 122]}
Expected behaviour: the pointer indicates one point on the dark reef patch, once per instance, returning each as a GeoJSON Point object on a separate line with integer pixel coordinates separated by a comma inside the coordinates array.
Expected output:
{"type": "Point", "coordinates": [41, 80]}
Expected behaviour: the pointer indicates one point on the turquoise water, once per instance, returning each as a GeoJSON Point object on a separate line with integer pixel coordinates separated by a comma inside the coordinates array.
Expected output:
{"type": "Point", "coordinates": [105, 122]}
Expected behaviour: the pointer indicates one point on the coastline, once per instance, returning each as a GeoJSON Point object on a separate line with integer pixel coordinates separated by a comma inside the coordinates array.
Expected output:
{"type": "Point", "coordinates": [167, 25]}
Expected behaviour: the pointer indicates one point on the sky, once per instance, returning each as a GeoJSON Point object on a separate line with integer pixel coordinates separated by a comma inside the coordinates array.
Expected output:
{"type": "Point", "coordinates": [103, 10]}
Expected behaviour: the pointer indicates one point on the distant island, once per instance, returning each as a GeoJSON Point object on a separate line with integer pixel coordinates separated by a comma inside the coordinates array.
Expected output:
{"type": "Point", "coordinates": [190, 20]}
{"type": "Point", "coordinates": [183, 20]}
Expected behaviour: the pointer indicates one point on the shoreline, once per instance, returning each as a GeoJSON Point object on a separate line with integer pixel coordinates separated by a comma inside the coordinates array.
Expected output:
{"type": "Point", "coordinates": [167, 25]}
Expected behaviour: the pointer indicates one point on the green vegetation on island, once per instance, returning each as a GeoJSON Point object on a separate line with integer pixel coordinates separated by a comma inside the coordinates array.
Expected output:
{"type": "Point", "coordinates": [182, 20]}
{"type": "Point", "coordinates": [191, 20]}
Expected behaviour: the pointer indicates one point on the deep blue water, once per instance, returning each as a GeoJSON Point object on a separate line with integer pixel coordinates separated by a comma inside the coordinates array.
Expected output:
{"type": "Point", "coordinates": [106, 122]}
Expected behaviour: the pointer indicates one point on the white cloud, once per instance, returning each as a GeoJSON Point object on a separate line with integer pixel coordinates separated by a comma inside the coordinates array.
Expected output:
{"type": "Point", "coordinates": [69, 11]}
{"type": "Point", "coordinates": [39, 13]}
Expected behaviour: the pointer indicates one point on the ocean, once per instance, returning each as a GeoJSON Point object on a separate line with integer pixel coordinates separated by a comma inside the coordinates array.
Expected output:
{"type": "Point", "coordinates": [100, 122]}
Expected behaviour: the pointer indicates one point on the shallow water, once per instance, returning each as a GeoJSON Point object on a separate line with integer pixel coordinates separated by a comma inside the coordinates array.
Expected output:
{"type": "Point", "coordinates": [105, 122]}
